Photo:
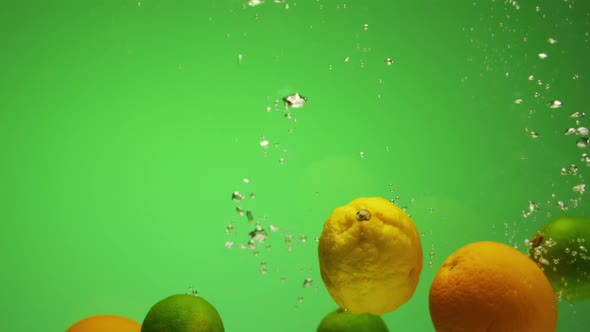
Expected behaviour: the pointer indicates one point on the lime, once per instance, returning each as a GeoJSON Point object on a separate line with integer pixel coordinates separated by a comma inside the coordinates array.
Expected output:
{"type": "Point", "coordinates": [560, 248]}
{"type": "Point", "coordinates": [182, 313]}
{"type": "Point", "coordinates": [341, 320]}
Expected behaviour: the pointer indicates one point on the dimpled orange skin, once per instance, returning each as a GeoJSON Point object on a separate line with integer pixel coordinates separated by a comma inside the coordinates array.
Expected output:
{"type": "Point", "coordinates": [370, 266]}
{"type": "Point", "coordinates": [491, 287]}
{"type": "Point", "coordinates": [105, 323]}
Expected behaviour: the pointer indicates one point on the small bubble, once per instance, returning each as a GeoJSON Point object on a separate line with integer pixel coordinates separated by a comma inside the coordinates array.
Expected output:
{"type": "Point", "coordinates": [307, 282]}
{"type": "Point", "coordinates": [229, 244]}
{"type": "Point", "coordinates": [531, 77]}
{"type": "Point", "coordinates": [518, 101]}
{"type": "Point", "coordinates": [300, 299]}
{"type": "Point", "coordinates": [580, 188]}
{"type": "Point", "coordinates": [255, 2]}
{"type": "Point", "coordinates": [273, 228]}
{"type": "Point", "coordinates": [229, 228]}
{"type": "Point", "coordinates": [365, 27]}
{"type": "Point", "coordinates": [192, 291]}
{"type": "Point", "coordinates": [582, 142]}
{"type": "Point", "coordinates": [236, 196]}
{"type": "Point", "coordinates": [252, 195]}
{"type": "Point", "coordinates": [583, 131]}
{"type": "Point", "coordinates": [555, 104]}
{"type": "Point", "coordinates": [295, 100]}
{"type": "Point", "coordinates": [562, 206]}
{"type": "Point", "coordinates": [389, 61]}
{"type": "Point", "coordinates": [303, 238]}
{"type": "Point", "coordinates": [552, 41]}
{"type": "Point", "coordinates": [533, 134]}
{"type": "Point", "coordinates": [543, 56]}
{"type": "Point", "coordinates": [258, 234]}
{"type": "Point", "coordinates": [262, 268]}
{"type": "Point", "coordinates": [577, 115]}
{"type": "Point", "coordinates": [347, 59]}
{"type": "Point", "coordinates": [570, 131]}
{"type": "Point", "coordinates": [239, 211]}
{"type": "Point", "coordinates": [264, 143]}
{"type": "Point", "coordinates": [362, 154]}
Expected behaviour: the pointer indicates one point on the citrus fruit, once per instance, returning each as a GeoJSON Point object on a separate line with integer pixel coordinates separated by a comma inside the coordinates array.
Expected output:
{"type": "Point", "coordinates": [491, 287]}
{"type": "Point", "coordinates": [370, 256]}
{"type": "Point", "coordinates": [560, 248]}
{"type": "Point", "coordinates": [343, 321]}
{"type": "Point", "coordinates": [182, 313]}
{"type": "Point", "coordinates": [102, 323]}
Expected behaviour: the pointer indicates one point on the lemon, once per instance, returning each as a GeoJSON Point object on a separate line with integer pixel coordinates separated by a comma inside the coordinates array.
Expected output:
{"type": "Point", "coordinates": [560, 248]}
{"type": "Point", "coordinates": [370, 256]}
{"type": "Point", "coordinates": [182, 313]}
{"type": "Point", "coordinates": [341, 320]}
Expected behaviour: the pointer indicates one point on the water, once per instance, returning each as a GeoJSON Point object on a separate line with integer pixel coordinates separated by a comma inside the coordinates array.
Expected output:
{"type": "Point", "coordinates": [124, 126]}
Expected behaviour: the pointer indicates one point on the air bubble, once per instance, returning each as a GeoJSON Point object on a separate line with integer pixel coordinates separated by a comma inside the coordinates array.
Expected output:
{"type": "Point", "coordinates": [577, 115]}
{"type": "Point", "coordinates": [583, 131]}
{"type": "Point", "coordinates": [580, 188]}
{"type": "Point", "coordinates": [264, 143]}
{"type": "Point", "coordinates": [552, 40]}
{"type": "Point", "coordinates": [307, 282]}
{"type": "Point", "coordinates": [365, 27]}
{"type": "Point", "coordinates": [555, 104]}
{"type": "Point", "coordinates": [262, 268]}
{"type": "Point", "coordinates": [258, 234]}
{"type": "Point", "coordinates": [192, 291]}
{"type": "Point", "coordinates": [362, 154]}
{"type": "Point", "coordinates": [229, 244]}
{"type": "Point", "coordinates": [389, 61]}
{"type": "Point", "coordinates": [236, 196]}
{"type": "Point", "coordinates": [518, 101]}
{"type": "Point", "coordinates": [543, 56]}
{"type": "Point", "coordinates": [295, 100]}
{"type": "Point", "coordinates": [253, 3]}
{"type": "Point", "coordinates": [582, 142]}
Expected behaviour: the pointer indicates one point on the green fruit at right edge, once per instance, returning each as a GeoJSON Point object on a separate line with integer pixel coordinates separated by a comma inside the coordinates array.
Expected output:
{"type": "Point", "coordinates": [182, 313]}
{"type": "Point", "coordinates": [560, 248]}
{"type": "Point", "coordinates": [343, 321]}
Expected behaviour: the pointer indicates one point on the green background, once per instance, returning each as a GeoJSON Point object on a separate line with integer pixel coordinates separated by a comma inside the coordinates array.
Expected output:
{"type": "Point", "coordinates": [125, 126]}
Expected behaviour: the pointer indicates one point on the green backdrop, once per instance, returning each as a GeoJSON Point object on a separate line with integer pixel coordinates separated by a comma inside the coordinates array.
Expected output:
{"type": "Point", "coordinates": [126, 126]}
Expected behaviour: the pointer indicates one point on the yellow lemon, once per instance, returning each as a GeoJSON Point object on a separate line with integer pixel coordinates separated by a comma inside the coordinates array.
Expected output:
{"type": "Point", "coordinates": [370, 256]}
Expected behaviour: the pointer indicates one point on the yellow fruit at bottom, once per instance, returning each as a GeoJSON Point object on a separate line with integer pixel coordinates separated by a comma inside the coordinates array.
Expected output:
{"type": "Point", "coordinates": [491, 287]}
{"type": "Point", "coordinates": [103, 323]}
{"type": "Point", "coordinates": [182, 313]}
{"type": "Point", "coordinates": [370, 256]}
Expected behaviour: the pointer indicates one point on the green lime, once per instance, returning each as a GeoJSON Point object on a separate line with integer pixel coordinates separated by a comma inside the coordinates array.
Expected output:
{"type": "Point", "coordinates": [341, 320]}
{"type": "Point", "coordinates": [560, 248]}
{"type": "Point", "coordinates": [182, 313]}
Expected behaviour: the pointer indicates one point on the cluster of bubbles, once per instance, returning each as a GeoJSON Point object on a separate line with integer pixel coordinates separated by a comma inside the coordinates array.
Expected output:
{"type": "Point", "coordinates": [256, 231]}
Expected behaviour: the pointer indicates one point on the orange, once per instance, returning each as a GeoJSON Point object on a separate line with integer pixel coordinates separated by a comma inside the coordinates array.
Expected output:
{"type": "Point", "coordinates": [491, 287]}
{"type": "Point", "coordinates": [370, 256]}
{"type": "Point", "coordinates": [103, 323]}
